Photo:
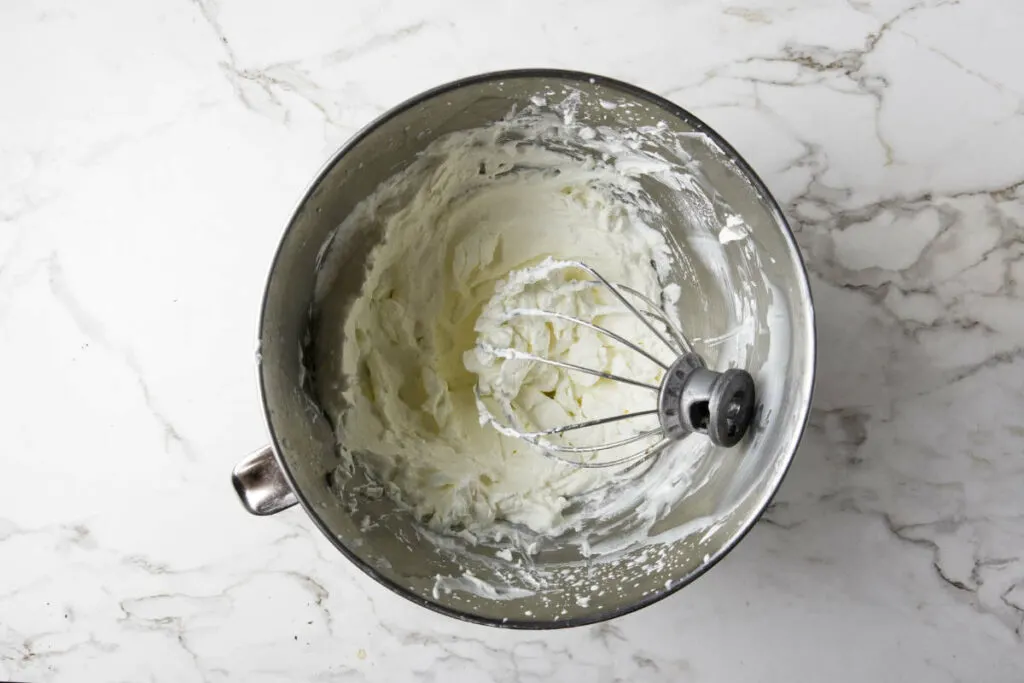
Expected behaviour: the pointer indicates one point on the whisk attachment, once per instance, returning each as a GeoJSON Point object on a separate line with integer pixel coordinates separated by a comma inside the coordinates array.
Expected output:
{"type": "Point", "coordinates": [691, 398]}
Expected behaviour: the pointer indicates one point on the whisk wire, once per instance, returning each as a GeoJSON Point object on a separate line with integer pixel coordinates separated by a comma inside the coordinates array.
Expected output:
{"type": "Point", "coordinates": [626, 459]}
{"type": "Point", "coordinates": [515, 354]}
{"type": "Point", "coordinates": [560, 448]}
{"type": "Point", "coordinates": [673, 329]}
{"type": "Point", "coordinates": [534, 312]}
{"type": "Point", "coordinates": [588, 423]}
{"type": "Point", "coordinates": [625, 302]}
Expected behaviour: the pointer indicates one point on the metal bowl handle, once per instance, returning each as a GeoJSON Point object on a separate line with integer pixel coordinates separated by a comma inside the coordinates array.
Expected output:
{"type": "Point", "coordinates": [260, 485]}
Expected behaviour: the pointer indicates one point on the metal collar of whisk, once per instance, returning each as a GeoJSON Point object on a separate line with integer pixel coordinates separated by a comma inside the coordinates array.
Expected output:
{"type": "Point", "coordinates": [691, 398]}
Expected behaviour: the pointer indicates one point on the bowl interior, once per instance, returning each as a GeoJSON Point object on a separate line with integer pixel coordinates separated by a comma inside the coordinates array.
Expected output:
{"type": "Point", "coordinates": [761, 289]}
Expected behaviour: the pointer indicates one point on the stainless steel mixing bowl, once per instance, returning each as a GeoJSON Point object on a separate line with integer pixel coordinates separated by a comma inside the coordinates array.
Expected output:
{"type": "Point", "coordinates": [299, 465]}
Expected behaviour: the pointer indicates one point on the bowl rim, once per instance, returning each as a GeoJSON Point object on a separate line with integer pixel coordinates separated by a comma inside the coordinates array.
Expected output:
{"type": "Point", "coordinates": [802, 284]}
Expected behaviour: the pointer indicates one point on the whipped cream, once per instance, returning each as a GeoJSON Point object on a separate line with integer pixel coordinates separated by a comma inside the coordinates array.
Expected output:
{"type": "Point", "coordinates": [476, 210]}
{"type": "Point", "coordinates": [552, 311]}
{"type": "Point", "coordinates": [473, 232]}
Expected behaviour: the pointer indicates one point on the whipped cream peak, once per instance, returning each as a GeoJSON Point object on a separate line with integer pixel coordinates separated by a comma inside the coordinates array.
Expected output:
{"type": "Point", "coordinates": [551, 343]}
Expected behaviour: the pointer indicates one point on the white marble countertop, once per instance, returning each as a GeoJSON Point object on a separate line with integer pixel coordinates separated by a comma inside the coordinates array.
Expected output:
{"type": "Point", "coordinates": [150, 153]}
